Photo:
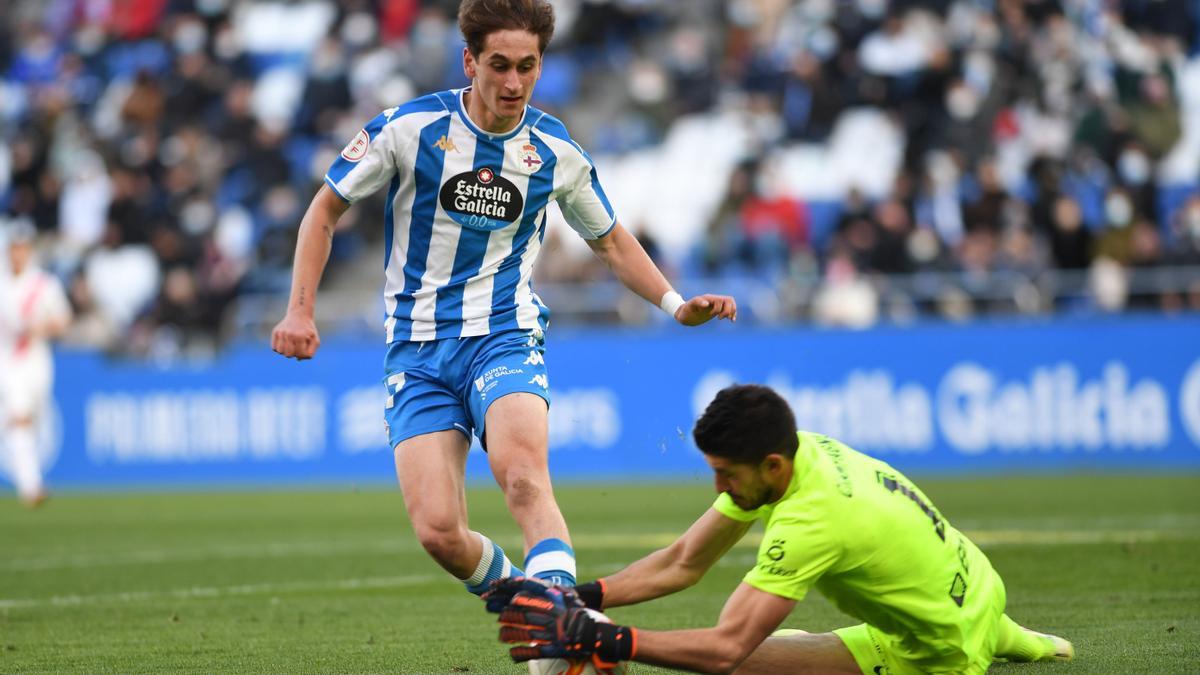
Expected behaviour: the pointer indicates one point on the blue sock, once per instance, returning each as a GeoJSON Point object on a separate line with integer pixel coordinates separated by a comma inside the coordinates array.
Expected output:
{"type": "Point", "coordinates": [493, 565]}
{"type": "Point", "coordinates": [551, 560]}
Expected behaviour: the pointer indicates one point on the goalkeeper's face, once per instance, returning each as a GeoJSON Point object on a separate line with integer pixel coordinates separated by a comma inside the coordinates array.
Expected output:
{"type": "Point", "coordinates": [748, 485]}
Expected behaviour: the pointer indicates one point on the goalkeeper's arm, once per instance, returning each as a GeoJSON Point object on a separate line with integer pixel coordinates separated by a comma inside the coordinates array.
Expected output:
{"type": "Point", "coordinates": [671, 569]}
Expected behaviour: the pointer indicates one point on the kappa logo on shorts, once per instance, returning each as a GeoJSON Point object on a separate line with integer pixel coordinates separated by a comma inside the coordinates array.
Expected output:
{"type": "Point", "coordinates": [541, 381]}
{"type": "Point", "coordinates": [535, 359]}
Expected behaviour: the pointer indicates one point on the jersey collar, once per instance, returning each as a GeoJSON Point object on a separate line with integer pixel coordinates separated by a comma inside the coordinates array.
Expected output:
{"type": "Point", "coordinates": [801, 466]}
{"type": "Point", "coordinates": [462, 112]}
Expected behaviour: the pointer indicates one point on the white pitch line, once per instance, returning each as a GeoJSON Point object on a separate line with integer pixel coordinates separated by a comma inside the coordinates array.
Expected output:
{"type": "Point", "coordinates": [224, 551]}
{"type": "Point", "coordinates": [986, 538]}
{"type": "Point", "coordinates": [649, 540]}
{"type": "Point", "coordinates": [995, 538]}
{"type": "Point", "coordinates": [218, 591]}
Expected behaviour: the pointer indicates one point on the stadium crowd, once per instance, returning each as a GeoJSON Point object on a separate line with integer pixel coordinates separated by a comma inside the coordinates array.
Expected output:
{"type": "Point", "coordinates": [164, 149]}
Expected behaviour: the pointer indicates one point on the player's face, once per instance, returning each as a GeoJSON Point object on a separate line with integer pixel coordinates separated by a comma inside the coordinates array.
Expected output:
{"type": "Point", "coordinates": [746, 483]}
{"type": "Point", "coordinates": [19, 254]}
{"type": "Point", "coordinates": [502, 78]}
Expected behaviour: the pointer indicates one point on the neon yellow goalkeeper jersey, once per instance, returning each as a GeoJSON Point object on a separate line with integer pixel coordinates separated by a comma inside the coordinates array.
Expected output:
{"type": "Point", "coordinates": [875, 545]}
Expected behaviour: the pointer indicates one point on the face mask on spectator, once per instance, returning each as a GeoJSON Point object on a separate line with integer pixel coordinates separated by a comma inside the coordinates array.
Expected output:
{"type": "Point", "coordinates": [190, 37]}
{"type": "Point", "coordinates": [1118, 210]}
{"type": "Point", "coordinates": [1134, 167]}
{"type": "Point", "coordinates": [962, 102]}
{"type": "Point", "coordinates": [978, 69]}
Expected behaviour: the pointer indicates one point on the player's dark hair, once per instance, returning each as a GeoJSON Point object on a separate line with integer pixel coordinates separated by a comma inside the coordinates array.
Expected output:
{"type": "Point", "coordinates": [745, 423]}
{"type": "Point", "coordinates": [478, 19]}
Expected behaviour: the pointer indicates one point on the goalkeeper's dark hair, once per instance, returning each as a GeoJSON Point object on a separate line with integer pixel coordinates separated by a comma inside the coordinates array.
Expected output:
{"type": "Point", "coordinates": [745, 423]}
{"type": "Point", "coordinates": [478, 19]}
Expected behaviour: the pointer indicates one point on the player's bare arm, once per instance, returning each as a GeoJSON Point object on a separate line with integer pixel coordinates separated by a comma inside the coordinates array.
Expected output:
{"type": "Point", "coordinates": [625, 256]}
{"type": "Point", "coordinates": [749, 617]}
{"type": "Point", "coordinates": [296, 335]}
{"type": "Point", "coordinates": [677, 566]}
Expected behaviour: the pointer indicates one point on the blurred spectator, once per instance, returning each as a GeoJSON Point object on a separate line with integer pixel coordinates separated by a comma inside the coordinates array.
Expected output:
{"type": "Point", "coordinates": [845, 298]}
{"type": "Point", "coordinates": [773, 227]}
{"type": "Point", "coordinates": [92, 326]}
{"type": "Point", "coordinates": [122, 277]}
{"type": "Point", "coordinates": [1025, 136]}
{"type": "Point", "coordinates": [1070, 241]}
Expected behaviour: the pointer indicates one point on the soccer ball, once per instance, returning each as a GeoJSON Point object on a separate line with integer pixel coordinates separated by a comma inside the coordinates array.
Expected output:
{"type": "Point", "coordinates": [565, 667]}
{"type": "Point", "coordinates": [575, 667]}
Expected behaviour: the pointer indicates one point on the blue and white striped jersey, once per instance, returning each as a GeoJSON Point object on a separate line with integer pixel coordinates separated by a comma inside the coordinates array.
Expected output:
{"type": "Point", "coordinates": [466, 213]}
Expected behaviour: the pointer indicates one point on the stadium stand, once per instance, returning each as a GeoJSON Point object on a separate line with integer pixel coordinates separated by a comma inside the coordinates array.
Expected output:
{"type": "Point", "coordinates": [843, 162]}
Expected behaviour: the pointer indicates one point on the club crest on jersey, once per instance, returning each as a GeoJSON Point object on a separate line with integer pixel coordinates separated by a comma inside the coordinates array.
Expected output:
{"type": "Point", "coordinates": [529, 159]}
{"type": "Point", "coordinates": [356, 149]}
{"type": "Point", "coordinates": [481, 200]}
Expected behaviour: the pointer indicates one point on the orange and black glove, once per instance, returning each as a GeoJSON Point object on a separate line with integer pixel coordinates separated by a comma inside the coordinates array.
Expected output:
{"type": "Point", "coordinates": [545, 626]}
{"type": "Point", "coordinates": [590, 595]}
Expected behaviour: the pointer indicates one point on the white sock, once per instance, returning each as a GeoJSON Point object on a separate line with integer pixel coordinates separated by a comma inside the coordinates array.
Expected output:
{"type": "Point", "coordinates": [551, 560]}
{"type": "Point", "coordinates": [27, 470]}
{"type": "Point", "coordinates": [493, 564]}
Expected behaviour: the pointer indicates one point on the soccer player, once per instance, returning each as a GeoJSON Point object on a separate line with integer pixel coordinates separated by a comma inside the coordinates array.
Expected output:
{"type": "Point", "coordinates": [33, 310]}
{"type": "Point", "coordinates": [469, 175]}
{"type": "Point", "coordinates": [855, 528]}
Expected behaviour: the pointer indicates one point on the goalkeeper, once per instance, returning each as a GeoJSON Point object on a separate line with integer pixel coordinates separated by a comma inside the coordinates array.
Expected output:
{"type": "Point", "coordinates": [855, 528]}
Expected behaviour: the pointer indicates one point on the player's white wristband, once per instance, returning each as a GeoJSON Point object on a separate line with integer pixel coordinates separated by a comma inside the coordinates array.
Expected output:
{"type": "Point", "coordinates": [671, 302]}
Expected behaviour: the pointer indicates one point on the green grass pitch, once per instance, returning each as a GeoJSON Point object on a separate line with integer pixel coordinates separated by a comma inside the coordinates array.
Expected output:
{"type": "Point", "coordinates": [332, 581]}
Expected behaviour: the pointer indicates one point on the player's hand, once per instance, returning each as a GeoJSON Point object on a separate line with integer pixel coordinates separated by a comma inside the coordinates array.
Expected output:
{"type": "Point", "coordinates": [545, 626]}
{"type": "Point", "coordinates": [703, 308]}
{"type": "Point", "coordinates": [295, 337]}
{"type": "Point", "coordinates": [502, 592]}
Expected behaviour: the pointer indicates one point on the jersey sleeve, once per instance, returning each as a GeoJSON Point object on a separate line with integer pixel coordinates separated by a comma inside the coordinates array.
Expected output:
{"type": "Point", "coordinates": [794, 553]}
{"type": "Point", "coordinates": [367, 162]}
{"type": "Point", "coordinates": [584, 205]}
{"type": "Point", "coordinates": [725, 506]}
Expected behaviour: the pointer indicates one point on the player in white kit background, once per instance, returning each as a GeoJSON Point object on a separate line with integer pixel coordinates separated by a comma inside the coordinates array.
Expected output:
{"type": "Point", "coordinates": [469, 174]}
{"type": "Point", "coordinates": [33, 311]}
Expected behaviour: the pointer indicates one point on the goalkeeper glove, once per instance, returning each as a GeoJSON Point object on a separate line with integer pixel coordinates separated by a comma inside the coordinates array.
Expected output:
{"type": "Point", "coordinates": [545, 626]}
{"type": "Point", "coordinates": [590, 595]}
{"type": "Point", "coordinates": [503, 590]}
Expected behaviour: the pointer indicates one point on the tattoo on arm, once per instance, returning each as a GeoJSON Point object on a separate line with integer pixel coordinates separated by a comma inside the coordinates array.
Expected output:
{"type": "Point", "coordinates": [303, 292]}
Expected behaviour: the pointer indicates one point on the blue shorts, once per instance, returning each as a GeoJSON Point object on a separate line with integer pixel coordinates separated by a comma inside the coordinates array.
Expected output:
{"type": "Point", "coordinates": [449, 383]}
